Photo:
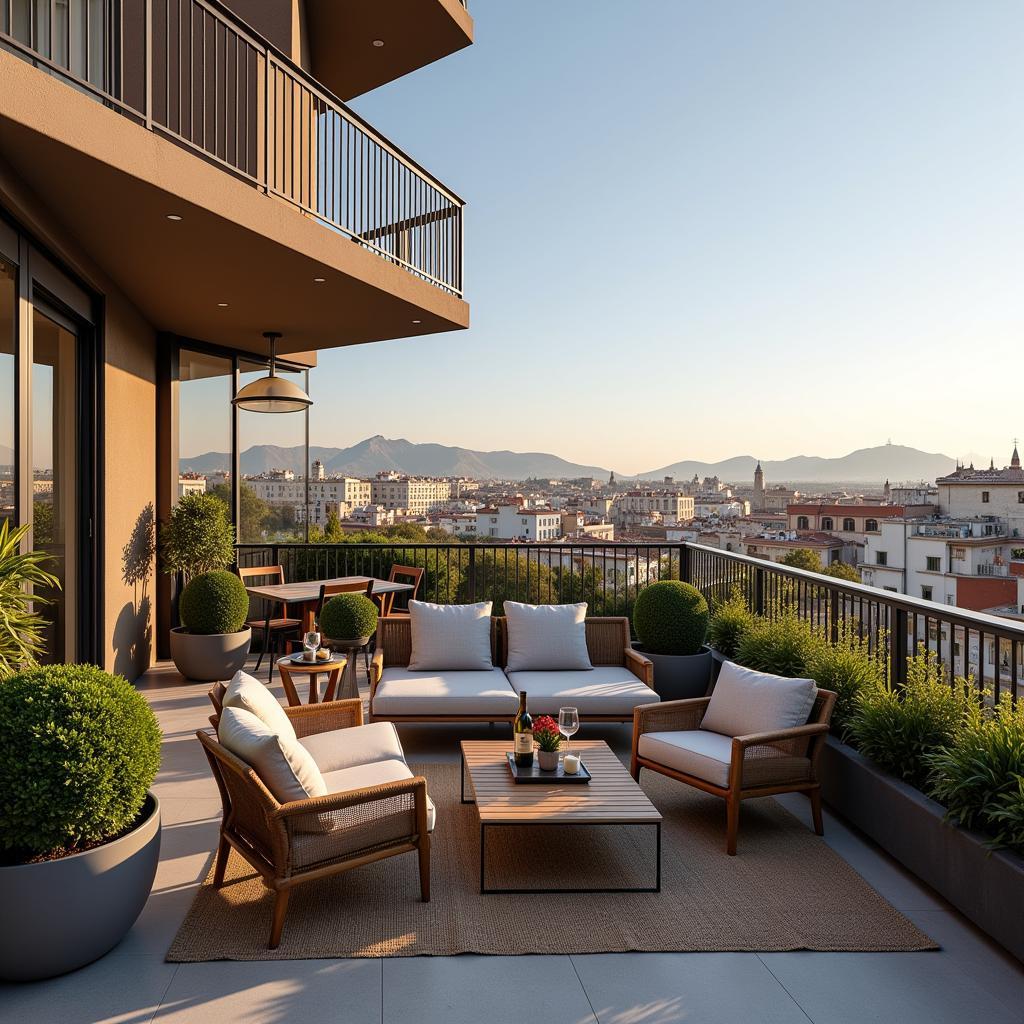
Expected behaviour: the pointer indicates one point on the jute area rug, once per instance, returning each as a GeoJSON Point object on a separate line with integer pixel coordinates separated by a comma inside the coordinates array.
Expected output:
{"type": "Point", "coordinates": [786, 890]}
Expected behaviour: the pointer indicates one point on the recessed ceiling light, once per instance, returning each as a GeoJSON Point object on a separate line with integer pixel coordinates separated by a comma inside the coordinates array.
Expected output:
{"type": "Point", "coordinates": [174, 216]}
{"type": "Point", "coordinates": [319, 280]}
{"type": "Point", "coordinates": [417, 321]}
{"type": "Point", "coordinates": [378, 43]}
{"type": "Point", "coordinates": [222, 304]}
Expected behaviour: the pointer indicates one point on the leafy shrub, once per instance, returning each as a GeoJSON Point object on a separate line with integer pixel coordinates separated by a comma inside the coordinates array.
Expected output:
{"type": "Point", "coordinates": [729, 624]}
{"type": "Point", "coordinates": [348, 617]}
{"type": "Point", "coordinates": [78, 750]}
{"type": "Point", "coordinates": [671, 617]}
{"type": "Point", "coordinates": [783, 646]}
{"type": "Point", "coordinates": [22, 627]}
{"type": "Point", "coordinates": [197, 536]}
{"type": "Point", "coordinates": [979, 775]}
{"type": "Point", "coordinates": [898, 729]}
{"type": "Point", "coordinates": [215, 602]}
{"type": "Point", "coordinates": [849, 669]}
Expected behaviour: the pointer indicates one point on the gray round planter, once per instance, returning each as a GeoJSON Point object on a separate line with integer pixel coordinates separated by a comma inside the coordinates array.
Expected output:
{"type": "Point", "coordinates": [209, 658]}
{"type": "Point", "coordinates": [63, 914]}
{"type": "Point", "coordinates": [680, 676]}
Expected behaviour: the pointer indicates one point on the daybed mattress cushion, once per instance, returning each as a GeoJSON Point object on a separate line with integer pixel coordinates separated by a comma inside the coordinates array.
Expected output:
{"type": "Point", "coordinates": [450, 637]}
{"type": "Point", "coordinates": [404, 692]}
{"type": "Point", "coordinates": [603, 690]}
{"type": "Point", "coordinates": [358, 745]}
{"type": "Point", "coordinates": [707, 755]}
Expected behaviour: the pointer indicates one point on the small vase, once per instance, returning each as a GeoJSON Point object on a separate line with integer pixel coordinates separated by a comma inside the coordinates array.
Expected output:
{"type": "Point", "coordinates": [548, 760]}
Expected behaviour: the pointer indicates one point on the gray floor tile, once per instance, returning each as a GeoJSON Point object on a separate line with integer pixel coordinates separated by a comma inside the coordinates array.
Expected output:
{"type": "Point", "coordinates": [673, 988]}
{"type": "Point", "coordinates": [309, 991]}
{"type": "Point", "coordinates": [110, 991]}
{"type": "Point", "coordinates": [492, 989]}
{"type": "Point", "coordinates": [880, 988]}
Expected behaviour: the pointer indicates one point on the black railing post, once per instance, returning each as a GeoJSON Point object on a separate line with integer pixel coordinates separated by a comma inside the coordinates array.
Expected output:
{"type": "Point", "coordinates": [471, 575]}
{"type": "Point", "coordinates": [833, 615]}
{"type": "Point", "coordinates": [759, 591]}
{"type": "Point", "coordinates": [685, 569]}
{"type": "Point", "coordinates": [898, 647]}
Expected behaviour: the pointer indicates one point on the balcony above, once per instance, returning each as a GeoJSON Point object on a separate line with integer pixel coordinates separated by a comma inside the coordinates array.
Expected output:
{"type": "Point", "coordinates": [293, 213]}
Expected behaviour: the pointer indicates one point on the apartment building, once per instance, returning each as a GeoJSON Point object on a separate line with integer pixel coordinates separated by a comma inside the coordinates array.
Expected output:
{"type": "Point", "coordinates": [963, 561]}
{"type": "Point", "coordinates": [173, 186]}
{"type": "Point", "coordinates": [413, 494]}
{"type": "Point", "coordinates": [513, 522]}
{"type": "Point", "coordinates": [995, 492]}
{"type": "Point", "coordinates": [649, 507]}
{"type": "Point", "coordinates": [346, 490]}
{"type": "Point", "coordinates": [775, 548]}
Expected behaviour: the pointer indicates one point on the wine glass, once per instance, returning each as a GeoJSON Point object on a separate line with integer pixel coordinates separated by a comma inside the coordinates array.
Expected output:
{"type": "Point", "coordinates": [568, 725]}
{"type": "Point", "coordinates": [310, 645]}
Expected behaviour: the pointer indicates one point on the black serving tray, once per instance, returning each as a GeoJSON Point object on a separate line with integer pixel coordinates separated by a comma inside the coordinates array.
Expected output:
{"type": "Point", "coordinates": [535, 774]}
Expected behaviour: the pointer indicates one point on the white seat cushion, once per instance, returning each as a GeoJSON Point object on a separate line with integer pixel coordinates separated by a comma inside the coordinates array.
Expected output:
{"type": "Point", "coordinates": [546, 637]}
{"type": "Point", "coordinates": [604, 690]}
{"type": "Point", "coordinates": [707, 755]}
{"type": "Point", "coordinates": [450, 637]}
{"type": "Point", "coordinates": [403, 692]}
{"type": "Point", "coordinates": [246, 691]}
{"type": "Point", "coordinates": [347, 748]}
{"type": "Point", "coordinates": [284, 765]}
{"type": "Point", "coordinates": [745, 702]}
{"type": "Point", "coordinates": [346, 779]}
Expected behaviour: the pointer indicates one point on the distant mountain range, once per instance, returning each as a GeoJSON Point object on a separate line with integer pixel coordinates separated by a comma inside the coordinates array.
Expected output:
{"type": "Point", "coordinates": [867, 465]}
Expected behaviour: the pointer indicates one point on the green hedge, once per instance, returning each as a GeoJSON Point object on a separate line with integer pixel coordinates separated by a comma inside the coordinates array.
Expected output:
{"type": "Point", "coordinates": [348, 617]}
{"type": "Point", "coordinates": [79, 748]}
{"type": "Point", "coordinates": [671, 617]}
{"type": "Point", "coordinates": [214, 602]}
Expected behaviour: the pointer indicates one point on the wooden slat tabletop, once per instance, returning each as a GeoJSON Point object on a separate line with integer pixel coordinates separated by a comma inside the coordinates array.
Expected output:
{"type": "Point", "coordinates": [302, 593]}
{"type": "Point", "coordinates": [611, 796]}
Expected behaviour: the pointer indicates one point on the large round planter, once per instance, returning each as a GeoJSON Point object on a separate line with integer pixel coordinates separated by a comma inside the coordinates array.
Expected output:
{"type": "Point", "coordinates": [346, 645]}
{"type": "Point", "coordinates": [680, 676]}
{"type": "Point", "coordinates": [718, 659]}
{"type": "Point", "coordinates": [209, 658]}
{"type": "Point", "coordinates": [63, 914]}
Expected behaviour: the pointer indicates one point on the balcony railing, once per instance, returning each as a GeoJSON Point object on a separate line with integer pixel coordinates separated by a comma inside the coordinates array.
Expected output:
{"type": "Point", "coordinates": [987, 649]}
{"type": "Point", "coordinates": [191, 71]}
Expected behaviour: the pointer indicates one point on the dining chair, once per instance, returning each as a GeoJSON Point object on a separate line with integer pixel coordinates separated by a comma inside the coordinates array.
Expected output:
{"type": "Point", "coordinates": [401, 574]}
{"type": "Point", "coordinates": [329, 590]}
{"type": "Point", "coordinates": [273, 627]}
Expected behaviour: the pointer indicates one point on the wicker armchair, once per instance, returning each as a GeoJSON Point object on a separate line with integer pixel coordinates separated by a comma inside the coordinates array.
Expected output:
{"type": "Point", "coordinates": [762, 764]}
{"type": "Point", "coordinates": [306, 840]}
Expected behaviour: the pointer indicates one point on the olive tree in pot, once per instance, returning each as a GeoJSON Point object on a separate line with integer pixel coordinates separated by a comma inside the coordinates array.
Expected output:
{"type": "Point", "coordinates": [671, 621]}
{"type": "Point", "coordinates": [79, 829]}
{"type": "Point", "coordinates": [213, 641]}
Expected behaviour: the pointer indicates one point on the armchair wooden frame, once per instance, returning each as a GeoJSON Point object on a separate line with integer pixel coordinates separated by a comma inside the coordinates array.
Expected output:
{"type": "Point", "coordinates": [608, 643]}
{"type": "Point", "coordinates": [305, 840]}
{"type": "Point", "coordinates": [763, 764]}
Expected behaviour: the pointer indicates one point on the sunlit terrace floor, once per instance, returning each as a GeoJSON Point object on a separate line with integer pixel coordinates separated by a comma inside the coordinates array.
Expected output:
{"type": "Point", "coordinates": [969, 980]}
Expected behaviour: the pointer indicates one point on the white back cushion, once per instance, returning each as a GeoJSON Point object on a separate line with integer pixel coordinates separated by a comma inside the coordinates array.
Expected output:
{"type": "Point", "coordinates": [247, 692]}
{"type": "Point", "coordinates": [285, 766]}
{"type": "Point", "coordinates": [450, 637]}
{"type": "Point", "coordinates": [744, 702]}
{"type": "Point", "coordinates": [546, 637]}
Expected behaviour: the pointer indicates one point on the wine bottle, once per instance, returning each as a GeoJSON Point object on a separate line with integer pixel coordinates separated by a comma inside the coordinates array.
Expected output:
{"type": "Point", "coordinates": [522, 731]}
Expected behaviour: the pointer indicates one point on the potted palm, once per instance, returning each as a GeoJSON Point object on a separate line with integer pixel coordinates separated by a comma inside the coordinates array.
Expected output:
{"type": "Point", "coordinates": [23, 583]}
{"type": "Point", "coordinates": [213, 640]}
{"type": "Point", "coordinates": [79, 827]}
{"type": "Point", "coordinates": [671, 621]}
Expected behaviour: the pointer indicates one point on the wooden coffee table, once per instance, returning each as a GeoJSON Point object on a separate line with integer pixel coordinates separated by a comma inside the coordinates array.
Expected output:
{"type": "Point", "coordinates": [610, 798]}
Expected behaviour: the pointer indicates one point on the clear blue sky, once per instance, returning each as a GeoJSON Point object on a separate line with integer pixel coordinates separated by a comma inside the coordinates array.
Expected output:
{"type": "Point", "coordinates": [696, 230]}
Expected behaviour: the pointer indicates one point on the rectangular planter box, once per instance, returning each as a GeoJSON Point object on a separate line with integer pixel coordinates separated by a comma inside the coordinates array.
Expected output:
{"type": "Point", "coordinates": [985, 885]}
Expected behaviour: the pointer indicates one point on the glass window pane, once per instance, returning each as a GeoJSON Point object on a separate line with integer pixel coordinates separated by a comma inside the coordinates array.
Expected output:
{"type": "Point", "coordinates": [273, 466]}
{"type": "Point", "coordinates": [54, 472]}
{"type": "Point", "coordinates": [204, 417]}
{"type": "Point", "coordinates": [8, 381]}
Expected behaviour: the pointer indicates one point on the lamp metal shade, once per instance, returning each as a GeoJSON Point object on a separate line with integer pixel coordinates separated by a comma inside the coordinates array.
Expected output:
{"type": "Point", "coordinates": [272, 394]}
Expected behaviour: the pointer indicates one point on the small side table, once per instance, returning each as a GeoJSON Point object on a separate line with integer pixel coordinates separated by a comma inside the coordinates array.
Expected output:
{"type": "Point", "coordinates": [296, 665]}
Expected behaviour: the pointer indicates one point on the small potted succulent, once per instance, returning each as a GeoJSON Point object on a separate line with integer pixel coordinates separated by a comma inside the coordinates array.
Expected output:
{"type": "Point", "coordinates": [213, 641]}
{"type": "Point", "coordinates": [348, 620]}
{"type": "Point", "coordinates": [548, 740]}
{"type": "Point", "coordinates": [671, 621]}
{"type": "Point", "coordinates": [79, 825]}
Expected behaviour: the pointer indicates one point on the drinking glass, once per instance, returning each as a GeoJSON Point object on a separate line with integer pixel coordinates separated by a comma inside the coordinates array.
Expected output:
{"type": "Point", "coordinates": [568, 725]}
{"type": "Point", "coordinates": [310, 645]}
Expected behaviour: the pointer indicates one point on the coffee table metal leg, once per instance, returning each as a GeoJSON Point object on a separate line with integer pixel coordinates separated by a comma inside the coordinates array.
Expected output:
{"type": "Point", "coordinates": [462, 780]}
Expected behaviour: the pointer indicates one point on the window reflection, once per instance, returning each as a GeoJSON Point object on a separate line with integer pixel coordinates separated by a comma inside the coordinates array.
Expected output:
{"type": "Point", "coordinates": [8, 382]}
{"type": "Point", "coordinates": [204, 433]}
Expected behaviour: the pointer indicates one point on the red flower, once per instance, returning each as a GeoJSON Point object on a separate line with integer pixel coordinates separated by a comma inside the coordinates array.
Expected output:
{"type": "Point", "coordinates": [545, 724]}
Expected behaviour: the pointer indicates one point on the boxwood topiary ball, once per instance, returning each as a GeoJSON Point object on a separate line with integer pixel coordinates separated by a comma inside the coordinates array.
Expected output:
{"type": "Point", "coordinates": [671, 617]}
{"type": "Point", "coordinates": [214, 602]}
{"type": "Point", "coordinates": [78, 750]}
{"type": "Point", "coordinates": [348, 617]}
